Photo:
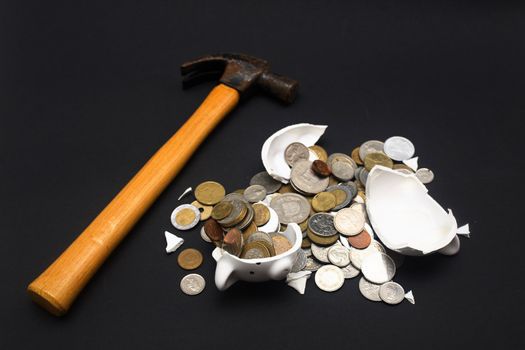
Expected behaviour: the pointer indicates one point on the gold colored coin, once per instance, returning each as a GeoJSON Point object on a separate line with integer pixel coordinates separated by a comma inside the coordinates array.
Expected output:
{"type": "Point", "coordinates": [239, 218]}
{"type": "Point", "coordinates": [268, 246]}
{"type": "Point", "coordinates": [254, 250]}
{"type": "Point", "coordinates": [332, 181]}
{"type": "Point", "coordinates": [324, 201]}
{"type": "Point", "coordinates": [362, 195]}
{"type": "Point", "coordinates": [239, 191]}
{"type": "Point", "coordinates": [190, 259]}
{"type": "Point", "coordinates": [204, 209]}
{"type": "Point", "coordinates": [221, 210]}
{"type": "Point", "coordinates": [402, 166]}
{"type": "Point", "coordinates": [340, 196]}
{"type": "Point", "coordinates": [360, 186]}
{"type": "Point", "coordinates": [209, 192]}
{"type": "Point", "coordinates": [321, 240]}
{"type": "Point", "coordinates": [281, 244]}
{"type": "Point", "coordinates": [306, 243]}
{"type": "Point", "coordinates": [286, 189]}
{"type": "Point", "coordinates": [303, 225]}
{"type": "Point", "coordinates": [249, 230]}
{"type": "Point", "coordinates": [261, 214]}
{"type": "Point", "coordinates": [355, 156]}
{"type": "Point", "coordinates": [320, 151]}
{"type": "Point", "coordinates": [185, 217]}
{"type": "Point", "coordinates": [376, 158]}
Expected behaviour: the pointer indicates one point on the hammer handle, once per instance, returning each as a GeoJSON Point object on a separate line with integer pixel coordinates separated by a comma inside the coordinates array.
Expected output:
{"type": "Point", "coordinates": [58, 286]}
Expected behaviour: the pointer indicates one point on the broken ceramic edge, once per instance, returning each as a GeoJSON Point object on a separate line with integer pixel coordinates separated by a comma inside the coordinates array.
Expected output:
{"type": "Point", "coordinates": [273, 223]}
{"type": "Point", "coordinates": [298, 280]}
{"type": "Point", "coordinates": [272, 152]}
{"type": "Point", "coordinates": [204, 236]}
{"type": "Point", "coordinates": [411, 163]}
{"type": "Point", "coordinates": [400, 209]}
{"type": "Point", "coordinates": [344, 241]}
{"type": "Point", "coordinates": [410, 297]}
{"type": "Point", "coordinates": [296, 275]}
{"type": "Point", "coordinates": [186, 191]}
{"type": "Point", "coordinates": [173, 242]}
{"type": "Point", "coordinates": [464, 231]}
{"type": "Point", "coordinates": [452, 248]}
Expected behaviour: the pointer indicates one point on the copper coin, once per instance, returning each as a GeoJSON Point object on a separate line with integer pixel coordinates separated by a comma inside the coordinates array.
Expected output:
{"type": "Point", "coordinates": [213, 230]}
{"type": "Point", "coordinates": [321, 168]}
{"type": "Point", "coordinates": [221, 210]}
{"type": "Point", "coordinates": [281, 244]}
{"type": "Point", "coordinates": [361, 240]}
{"type": "Point", "coordinates": [189, 259]}
{"type": "Point", "coordinates": [232, 242]}
{"type": "Point", "coordinates": [306, 243]}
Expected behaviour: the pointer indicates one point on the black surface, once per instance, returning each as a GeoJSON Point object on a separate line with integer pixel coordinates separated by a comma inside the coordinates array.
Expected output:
{"type": "Point", "coordinates": [89, 90]}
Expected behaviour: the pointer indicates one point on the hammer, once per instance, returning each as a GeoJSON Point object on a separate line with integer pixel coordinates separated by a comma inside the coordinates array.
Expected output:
{"type": "Point", "coordinates": [58, 286]}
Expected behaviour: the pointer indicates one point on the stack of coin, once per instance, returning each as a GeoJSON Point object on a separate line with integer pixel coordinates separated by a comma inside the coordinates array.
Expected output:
{"type": "Point", "coordinates": [326, 198]}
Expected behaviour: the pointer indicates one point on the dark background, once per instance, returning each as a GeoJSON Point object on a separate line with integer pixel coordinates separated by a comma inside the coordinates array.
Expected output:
{"type": "Point", "coordinates": [90, 89]}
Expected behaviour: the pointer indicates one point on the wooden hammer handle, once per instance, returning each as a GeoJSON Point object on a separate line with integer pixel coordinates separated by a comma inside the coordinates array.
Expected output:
{"type": "Point", "coordinates": [58, 286]}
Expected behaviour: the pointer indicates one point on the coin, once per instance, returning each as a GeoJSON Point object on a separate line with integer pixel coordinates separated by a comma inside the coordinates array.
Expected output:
{"type": "Point", "coordinates": [391, 293]}
{"type": "Point", "coordinates": [370, 147]}
{"type": "Point", "coordinates": [363, 176]}
{"type": "Point", "coordinates": [342, 166]}
{"type": "Point", "coordinates": [300, 261]}
{"type": "Point", "coordinates": [291, 207]}
{"type": "Point", "coordinates": [261, 214]}
{"type": "Point", "coordinates": [255, 250]}
{"type": "Point", "coordinates": [320, 152]}
{"type": "Point", "coordinates": [260, 236]}
{"type": "Point", "coordinates": [329, 278]}
{"type": "Point", "coordinates": [192, 284]}
{"type": "Point", "coordinates": [249, 230]}
{"type": "Point", "coordinates": [350, 271]}
{"type": "Point", "coordinates": [425, 175]}
{"type": "Point", "coordinates": [189, 259]}
{"type": "Point", "coordinates": [281, 244]}
{"type": "Point", "coordinates": [358, 255]}
{"type": "Point", "coordinates": [306, 243]}
{"type": "Point", "coordinates": [286, 189]}
{"type": "Point", "coordinates": [204, 236]}
{"type": "Point", "coordinates": [233, 242]}
{"type": "Point", "coordinates": [378, 268]}
{"type": "Point", "coordinates": [321, 168]}
{"type": "Point", "coordinates": [209, 192]}
{"type": "Point", "coordinates": [239, 210]}
{"type": "Point", "coordinates": [321, 240]}
{"type": "Point", "coordinates": [322, 224]}
{"type": "Point", "coordinates": [265, 180]}
{"type": "Point", "coordinates": [321, 253]}
{"type": "Point", "coordinates": [323, 201]}
{"type": "Point", "coordinates": [355, 156]}
{"type": "Point", "coordinates": [369, 290]}
{"type": "Point", "coordinates": [221, 210]}
{"type": "Point", "coordinates": [248, 218]}
{"type": "Point", "coordinates": [399, 148]}
{"type": "Point", "coordinates": [349, 222]}
{"type": "Point", "coordinates": [312, 264]}
{"type": "Point", "coordinates": [213, 230]}
{"type": "Point", "coordinates": [361, 240]}
{"type": "Point", "coordinates": [205, 212]}
{"type": "Point", "coordinates": [352, 187]}
{"type": "Point", "coordinates": [304, 179]}
{"type": "Point", "coordinates": [294, 152]}
{"type": "Point", "coordinates": [185, 217]}
{"type": "Point", "coordinates": [343, 195]}
{"type": "Point", "coordinates": [376, 158]}
{"type": "Point", "coordinates": [255, 193]}
{"type": "Point", "coordinates": [338, 256]}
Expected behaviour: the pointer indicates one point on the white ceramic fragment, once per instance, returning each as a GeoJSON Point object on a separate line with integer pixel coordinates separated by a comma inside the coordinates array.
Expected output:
{"type": "Point", "coordinates": [297, 280]}
{"type": "Point", "coordinates": [172, 242]}
{"type": "Point", "coordinates": [186, 191]}
{"type": "Point", "coordinates": [411, 163]}
{"type": "Point", "coordinates": [272, 152]}
{"type": "Point", "coordinates": [410, 297]}
{"type": "Point", "coordinates": [464, 231]}
{"type": "Point", "coordinates": [273, 224]}
{"type": "Point", "coordinates": [404, 216]}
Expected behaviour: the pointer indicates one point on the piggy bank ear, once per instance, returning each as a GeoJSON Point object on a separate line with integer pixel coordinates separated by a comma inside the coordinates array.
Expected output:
{"type": "Point", "coordinates": [224, 274]}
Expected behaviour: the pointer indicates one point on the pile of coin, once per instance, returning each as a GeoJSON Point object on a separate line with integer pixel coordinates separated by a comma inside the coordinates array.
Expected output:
{"type": "Point", "coordinates": [326, 198]}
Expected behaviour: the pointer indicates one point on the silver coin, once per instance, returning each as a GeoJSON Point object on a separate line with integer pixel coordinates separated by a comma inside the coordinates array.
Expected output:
{"type": "Point", "coordinates": [260, 236]}
{"type": "Point", "coordinates": [307, 251]}
{"type": "Point", "coordinates": [341, 157]}
{"type": "Point", "coordinates": [329, 278]}
{"type": "Point", "coordinates": [254, 193]}
{"type": "Point", "coordinates": [265, 180]}
{"type": "Point", "coordinates": [300, 261]}
{"type": "Point", "coordinates": [352, 187]}
{"type": "Point", "coordinates": [191, 224]}
{"type": "Point", "coordinates": [350, 271]}
{"type": "Point", "coordinates": [237, 207]}
{"type": "Point", "coordinates": [291, 207]}
{"type": "Point", "coordinates": [294, 152]}
{"type": "Point", "coordinates": [370, 147]}
{"type": "Point", "coordinates": [312, 264]}
{"type": "Point", "coordinates": [358, 255]}
{"type": "Point", "coordinates": [248, 218]}
{"type": "Point", "coordinates": [399, 148]}
{"type": "Point", "coordinates": [369, 290]}
{"type": "Point", "coordinates": [345, 189]}
{"type": "Point", "coordinates": [399, 259]}
{"type": "Point", "coordinates": [363, 176]}
{"type": "Point", "coordinates": [349, 222]}
{"type": "Point", "coordinates": [306, 180]}
{"type": "Point", "coordinates": [192, 284]}
{"type": "Point", "coordinates": [321, 253]}
{"type": "Point", "coordinates": [452, 248]}
{"type": "Point", "coordinates": [391, 293]}
{"type": "Point", "coordinates": [322, 224]}
{"type": "Point", "coordinates": [425, 175]}
{"type": "Point", "coordinates": [343, 166]}
{"type": "Point", "coordinates": [338, 256]}
{"type": "Point", "coordinates": [378, 268]}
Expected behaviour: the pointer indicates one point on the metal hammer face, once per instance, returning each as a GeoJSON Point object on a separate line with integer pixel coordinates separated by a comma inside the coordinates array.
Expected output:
{"type": "Point", "coordinates": [241, 72]}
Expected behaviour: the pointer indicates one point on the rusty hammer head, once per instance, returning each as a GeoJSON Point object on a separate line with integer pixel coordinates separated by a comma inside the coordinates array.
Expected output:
{"type": "Point", "coordinates": [241, 72]}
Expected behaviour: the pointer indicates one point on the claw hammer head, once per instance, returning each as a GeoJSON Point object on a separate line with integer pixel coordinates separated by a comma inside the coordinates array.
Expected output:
{"type": "Point", "coordinates": [241, 72]}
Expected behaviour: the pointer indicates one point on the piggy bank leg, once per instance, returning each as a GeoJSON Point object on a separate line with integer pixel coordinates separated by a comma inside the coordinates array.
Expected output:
{"type": "Point", "coordinates": [224, 276]}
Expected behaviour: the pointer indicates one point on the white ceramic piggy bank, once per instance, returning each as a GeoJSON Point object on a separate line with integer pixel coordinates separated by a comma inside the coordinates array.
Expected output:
{"type": "Point", "coordinates": [231, 269]}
